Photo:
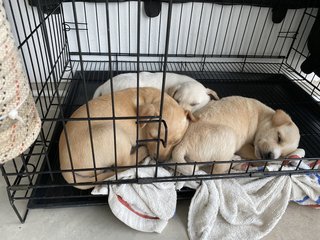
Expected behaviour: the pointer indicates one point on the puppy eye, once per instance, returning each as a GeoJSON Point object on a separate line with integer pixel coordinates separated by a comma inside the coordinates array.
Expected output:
{"type": "Point", "coordinates": [279, 138]}
{"type": "Point", "coordinates": [194, 104]}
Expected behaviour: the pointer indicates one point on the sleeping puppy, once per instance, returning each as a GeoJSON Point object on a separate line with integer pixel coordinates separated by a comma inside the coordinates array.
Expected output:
{"type": "Point", "coordinates": [236, 125]}
{"type": "Point", "coordinates": [189, 93]}
{"type": "Point", "coordinates": [103, 139]}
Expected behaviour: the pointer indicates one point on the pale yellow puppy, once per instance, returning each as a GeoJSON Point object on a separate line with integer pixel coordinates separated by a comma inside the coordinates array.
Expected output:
{"type": "Point", "coordinates": [236, 125]}
{"type": "Point", "coordinates": [80, 156]}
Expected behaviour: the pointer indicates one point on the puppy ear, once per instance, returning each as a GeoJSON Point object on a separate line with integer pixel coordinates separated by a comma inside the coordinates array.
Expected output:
{"type": "Point", "coordinates": [280, 118]}
{"type": "Point", "coordinates": [213, 95]}
{"type": "Point", "coordinates": [173, 90]}
{"type": "Point", "coordinates": [190, 116]}
{"type": "Point", "coordinates": [147, 109]}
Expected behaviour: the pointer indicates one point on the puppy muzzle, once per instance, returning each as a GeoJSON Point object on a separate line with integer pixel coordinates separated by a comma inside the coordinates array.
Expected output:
{"type": "Point", "coordinates": [267, 155]}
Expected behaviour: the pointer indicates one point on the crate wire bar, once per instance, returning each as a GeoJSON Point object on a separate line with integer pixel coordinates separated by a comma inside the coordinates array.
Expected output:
{"type": "Point", "coordinates": [71, 47]}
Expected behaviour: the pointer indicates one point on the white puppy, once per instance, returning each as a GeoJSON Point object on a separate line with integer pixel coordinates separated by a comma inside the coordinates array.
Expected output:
{"type": "Point", "coordinates": [189, 93]}
{"type": "Point", "coordinates": [236, 125]}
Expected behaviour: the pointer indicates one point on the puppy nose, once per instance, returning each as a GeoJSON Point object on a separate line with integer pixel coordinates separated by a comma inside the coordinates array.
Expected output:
{"type": "Point", "coordinates": [268, 155]}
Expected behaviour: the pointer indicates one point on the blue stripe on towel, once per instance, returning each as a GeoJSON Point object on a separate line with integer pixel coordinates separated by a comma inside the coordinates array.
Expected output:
{"type": "Point", "coordinates": [316, 175]}
{"type": "Point", "coordinates": [306, 198]}
{"type": "Point", "coordinates": [303, 200]}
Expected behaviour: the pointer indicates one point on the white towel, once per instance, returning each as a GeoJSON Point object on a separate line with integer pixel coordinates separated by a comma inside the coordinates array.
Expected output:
{"type": "Point", "coordinates": [144, 207]}
{"type": "Point", "coordinates": [249, 208]}
{"type": "Point", "coordinates": [237, 208]}
{"type": "Point", "coordinates": [305, 187]}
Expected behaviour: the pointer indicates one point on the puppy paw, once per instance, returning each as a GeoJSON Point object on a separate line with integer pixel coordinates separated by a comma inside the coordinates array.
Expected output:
{"type": "Point", "coordinates": [100, 190]}
{"type": "Point", "coordinates": [236, 157]}
{"type": "Point", "coordinates": [187, 170]}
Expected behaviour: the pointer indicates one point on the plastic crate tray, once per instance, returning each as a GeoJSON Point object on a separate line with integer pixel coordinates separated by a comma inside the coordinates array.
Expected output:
{"type": "Point", "coordinates": [275, 90]}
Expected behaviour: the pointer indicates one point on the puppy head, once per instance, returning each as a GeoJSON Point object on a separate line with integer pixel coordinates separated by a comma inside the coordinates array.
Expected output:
{"type": "Point", "coordinates": [276, 137]}
{"type": "Point", "coordinates": [192, 95]}
{"type": "Point", "coordinates": [177, 120]}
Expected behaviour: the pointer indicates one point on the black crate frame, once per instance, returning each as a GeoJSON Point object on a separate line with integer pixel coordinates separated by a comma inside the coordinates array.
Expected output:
{"type": "Point", "coordinates": [44, 42]}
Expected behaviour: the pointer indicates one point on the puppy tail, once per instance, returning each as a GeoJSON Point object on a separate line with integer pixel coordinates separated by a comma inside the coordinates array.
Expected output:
{"type": "Point", "coordinates": [79, 178]}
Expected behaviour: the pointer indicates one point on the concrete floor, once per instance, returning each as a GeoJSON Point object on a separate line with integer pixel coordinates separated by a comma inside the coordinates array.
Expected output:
{"type": "Point", "coordinates": [99, 223]}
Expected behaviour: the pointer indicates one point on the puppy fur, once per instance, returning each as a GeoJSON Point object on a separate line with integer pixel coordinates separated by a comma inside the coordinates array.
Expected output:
{"type": "Point", "coordinates": [236, 125]}
{"type": "Point", "coordinates": [78, 135]}
{"type": "Point", "coordinates": [188, 92]}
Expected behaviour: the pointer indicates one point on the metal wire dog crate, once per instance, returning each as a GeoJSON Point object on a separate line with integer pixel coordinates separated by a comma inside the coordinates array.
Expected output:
{"type": "Point", "coordinates": [70, 47]}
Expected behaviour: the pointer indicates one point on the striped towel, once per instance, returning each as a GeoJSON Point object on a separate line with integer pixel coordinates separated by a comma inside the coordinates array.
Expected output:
{"type": "Point", "coordinates": [306, 187]}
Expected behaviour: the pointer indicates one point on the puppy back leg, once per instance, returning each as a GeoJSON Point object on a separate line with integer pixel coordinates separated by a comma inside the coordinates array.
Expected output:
{"type": "Point", "coordinates": [104, 155]}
